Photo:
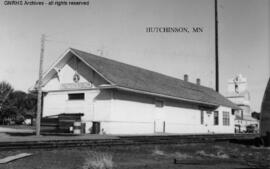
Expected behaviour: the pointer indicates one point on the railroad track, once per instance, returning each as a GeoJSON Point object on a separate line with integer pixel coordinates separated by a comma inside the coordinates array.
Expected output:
{"type": "Point", "coordinates": [124, 140]}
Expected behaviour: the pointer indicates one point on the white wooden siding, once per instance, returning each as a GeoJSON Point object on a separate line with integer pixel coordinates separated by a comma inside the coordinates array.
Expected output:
{"type": "Point", "coordinates": [137, 114]}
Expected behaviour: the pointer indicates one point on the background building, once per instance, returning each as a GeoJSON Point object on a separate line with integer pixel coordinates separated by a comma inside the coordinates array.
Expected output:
{"type": "Point", "coordinates": [239, 94]}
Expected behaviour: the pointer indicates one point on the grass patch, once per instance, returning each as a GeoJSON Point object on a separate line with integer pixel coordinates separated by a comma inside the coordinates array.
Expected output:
{"type": "Point", "coordinates": [95, 160]}
{"type": "Point", "coordinates": [158, 152]}
{"type": "Point", "coordinates": [219, 154]}
{"type": "Point", "coordinates": [181, 156]}
{"type": "Point", "coordinates": [212, 155]}
{"type": "Point", "coordinates": [260, 148]}
{"type": "Point", "coordinates": [177, 155]}
{"type": "Point", "coordinates": [218, 147]}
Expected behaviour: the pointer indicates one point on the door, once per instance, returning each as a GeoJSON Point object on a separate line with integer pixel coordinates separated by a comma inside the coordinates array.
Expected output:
{"type": "Point", "coordinates": [208, 120]}
{"type": "Point", "coordinates": [159, 124]}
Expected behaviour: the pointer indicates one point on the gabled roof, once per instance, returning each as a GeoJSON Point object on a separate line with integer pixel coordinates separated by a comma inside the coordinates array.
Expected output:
{"type": "Point", "coordinates": [131, 78]}
{"type": "Point", "coordinates": [139, 80]}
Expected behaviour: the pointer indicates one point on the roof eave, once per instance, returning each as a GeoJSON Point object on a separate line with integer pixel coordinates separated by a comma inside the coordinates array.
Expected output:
{"type": "Point", "coordinates": [164, 96]}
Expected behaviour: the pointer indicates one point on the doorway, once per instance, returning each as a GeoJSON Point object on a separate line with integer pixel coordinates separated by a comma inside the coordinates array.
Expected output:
{"type": "Point", "coordinates": [159, 126]}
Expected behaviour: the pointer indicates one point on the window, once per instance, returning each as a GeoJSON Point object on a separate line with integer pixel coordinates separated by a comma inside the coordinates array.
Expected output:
{"type": "Point", "coordinates": [159, 103]}
{"type": "Point", "coordinates": [226, 118]}
{"type": "Point", "coordinates": [208, 113]}
{"type": "Point", "coordinates": [76, 96]}
{"type": "Point", "coordinates": [216, 118]}
{"type": "Point", "coordinates": [202, 117]}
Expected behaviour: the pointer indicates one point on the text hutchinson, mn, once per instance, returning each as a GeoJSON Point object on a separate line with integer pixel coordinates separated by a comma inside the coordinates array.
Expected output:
{"type": "Point", "coordinates": [174, 29]}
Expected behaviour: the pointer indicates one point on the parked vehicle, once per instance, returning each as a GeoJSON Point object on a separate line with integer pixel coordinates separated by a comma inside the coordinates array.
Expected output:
{"type": "Point", "coordinates": [251, 129]}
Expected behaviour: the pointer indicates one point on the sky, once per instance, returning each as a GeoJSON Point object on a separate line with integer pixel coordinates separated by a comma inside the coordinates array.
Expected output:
{"type": "Point", "coordinates": [117, 30]}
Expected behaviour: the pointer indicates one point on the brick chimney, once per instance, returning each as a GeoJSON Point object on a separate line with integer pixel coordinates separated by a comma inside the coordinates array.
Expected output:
{"type": "Point", "coordinates": [198, 81]}
{"type": "Point", "coordinates": [185, 77]}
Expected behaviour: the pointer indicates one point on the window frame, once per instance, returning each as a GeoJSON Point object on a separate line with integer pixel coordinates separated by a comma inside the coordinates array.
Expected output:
{"type": "Point", "coordinates": [226, 118]}
{"type": "Point", "coordinates": [216, 118]}
{"type": "Point", "coordinates": [76, 96]}
{"type": "Point", "coordinates": [202, 117]}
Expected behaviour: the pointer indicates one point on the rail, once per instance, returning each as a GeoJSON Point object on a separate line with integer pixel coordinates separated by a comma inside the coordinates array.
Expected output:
{"type": "Point", "coordinates": [122, 140]}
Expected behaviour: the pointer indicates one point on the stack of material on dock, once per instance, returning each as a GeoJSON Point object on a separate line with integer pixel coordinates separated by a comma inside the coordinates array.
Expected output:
{"type": "Point", "coordinates": [62, 123]}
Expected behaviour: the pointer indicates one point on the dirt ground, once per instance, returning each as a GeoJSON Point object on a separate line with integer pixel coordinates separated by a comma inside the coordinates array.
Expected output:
{"type": "Point", "coordinates": [222, 155]}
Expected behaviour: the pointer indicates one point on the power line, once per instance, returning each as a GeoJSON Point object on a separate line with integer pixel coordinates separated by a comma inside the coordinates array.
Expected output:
{"type": "Point", "coordinates": [66, 42]}
{"type": "Point", "coordinates": [75, 43]}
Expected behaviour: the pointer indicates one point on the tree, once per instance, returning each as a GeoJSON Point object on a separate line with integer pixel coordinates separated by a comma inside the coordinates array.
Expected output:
{"type": "Point", "coordinates": [15, 106]}
{"type": "Point", "coordinates": [31, 106]}
{"type": "Point", "coordinates": [5, 91]}
{"type": "Point", "coordinates": [16, 101]}
{"type": "Point", "coordinates": [23, 106]}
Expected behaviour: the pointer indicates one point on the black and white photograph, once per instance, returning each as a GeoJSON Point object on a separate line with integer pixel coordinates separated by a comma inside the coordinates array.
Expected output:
{"type": "Point", "coordinates": [134, 84]}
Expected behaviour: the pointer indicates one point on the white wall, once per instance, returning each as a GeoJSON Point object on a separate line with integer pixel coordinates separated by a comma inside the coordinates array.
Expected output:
{"type": "Point", "coordinates": [96, 106]}
{"type": "Point", "coordinates": [130, 115]}
{"type": "Point", "coordinates": [64, 72]}
{"type": "Point", "coordinates": [127, 113]}
{"type": "Point", "coordinates": [137, 114]}
{"type": "Point", "coordinates": [57, 102]}
{"type": "Point", "coordinates": [220, 128]}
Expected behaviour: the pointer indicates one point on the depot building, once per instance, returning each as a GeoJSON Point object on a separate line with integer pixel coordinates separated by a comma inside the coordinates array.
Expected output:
{"type": "Point", "coordinates": [124, 99]}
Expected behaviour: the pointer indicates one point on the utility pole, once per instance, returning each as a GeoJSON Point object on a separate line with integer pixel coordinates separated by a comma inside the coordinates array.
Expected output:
{"type": "Point", "coordinates": [216, 47]}
{"type": "Point", "coordinates": [38, 118]}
